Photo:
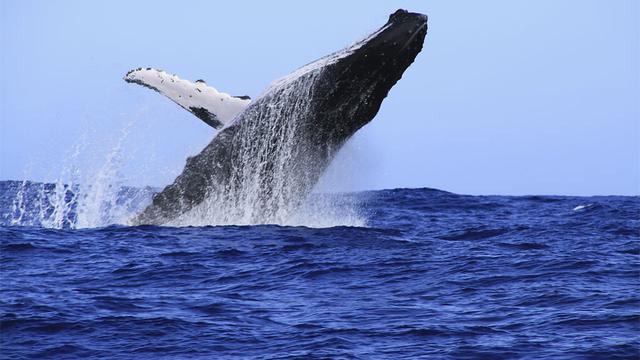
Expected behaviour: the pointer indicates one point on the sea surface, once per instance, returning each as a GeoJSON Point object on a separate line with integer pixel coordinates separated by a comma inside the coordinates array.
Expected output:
{"type": "Point", "coordinates": [431, 274]}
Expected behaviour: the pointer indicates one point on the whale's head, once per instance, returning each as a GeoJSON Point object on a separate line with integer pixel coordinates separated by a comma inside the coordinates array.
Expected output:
{"type": "Point", "coordinates": [356, 80]}
{"type": "Point", "coordinates": [345, 89]}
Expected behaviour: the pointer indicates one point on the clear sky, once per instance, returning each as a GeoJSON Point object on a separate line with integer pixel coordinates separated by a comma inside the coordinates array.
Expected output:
{"type": "Point", "coordinates": [507, 97]}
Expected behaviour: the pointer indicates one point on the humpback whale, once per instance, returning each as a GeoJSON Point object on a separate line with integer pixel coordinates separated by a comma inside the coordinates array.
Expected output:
{"type": "Point", "coordinates": [270, 152]}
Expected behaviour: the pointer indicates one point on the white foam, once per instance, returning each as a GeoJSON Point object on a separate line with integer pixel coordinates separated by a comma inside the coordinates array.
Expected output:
{"type": "Point", "coordinates": [235, 203]}
{"type": "Point", "coordinates": [582, 207]}
{"type": "Point", "coordinates": [84, 195]}
{"type": "Point", "coordinates": [262, 191]}
{"type": "Point", "coordinates": [95, 191]}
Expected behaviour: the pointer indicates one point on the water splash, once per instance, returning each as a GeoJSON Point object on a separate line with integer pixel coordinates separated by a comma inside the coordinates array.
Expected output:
{"type": "Point", "coordinates": [19, 206]}
{"type": "Point", "coordinates": [329, 210]}
{"type": "Point", "coordinates": [97, 201]}
{"type": "Point", "coordinates": [86, 196]}
{"type": "Point", "coordinates": [47, 205]}
{"type": "Point", "coordinates": [82, 196]}
{"type": "Point", "coordinates": [270, 178]}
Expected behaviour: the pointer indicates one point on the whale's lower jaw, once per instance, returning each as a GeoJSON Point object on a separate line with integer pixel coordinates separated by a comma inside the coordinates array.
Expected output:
{"type": "Point", "coordinates": [261, 167]}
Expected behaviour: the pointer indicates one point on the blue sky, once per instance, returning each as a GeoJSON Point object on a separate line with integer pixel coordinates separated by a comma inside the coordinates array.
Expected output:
{"type": "Point", "coordinates": [526, 97]}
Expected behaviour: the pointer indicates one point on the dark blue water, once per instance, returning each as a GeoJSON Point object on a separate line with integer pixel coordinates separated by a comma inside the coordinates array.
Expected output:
{"type": "Point", "coordinates": [434, 275]}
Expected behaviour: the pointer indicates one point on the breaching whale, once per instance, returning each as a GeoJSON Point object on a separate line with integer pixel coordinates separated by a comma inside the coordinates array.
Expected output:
{"type": "Point", "coordinates": [270, 152]}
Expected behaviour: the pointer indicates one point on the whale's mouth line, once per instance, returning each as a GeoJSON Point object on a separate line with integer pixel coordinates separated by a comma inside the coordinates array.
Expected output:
{"type": "Point", "coordinates": [413, 36]}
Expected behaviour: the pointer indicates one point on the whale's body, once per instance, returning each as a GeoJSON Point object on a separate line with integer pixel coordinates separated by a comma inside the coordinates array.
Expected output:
{"type": "Point", "coordinates": [264, 161]}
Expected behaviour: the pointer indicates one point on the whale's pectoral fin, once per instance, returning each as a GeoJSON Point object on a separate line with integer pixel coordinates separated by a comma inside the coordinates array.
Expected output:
{"type": "Point", "coordinates": [208, 104]}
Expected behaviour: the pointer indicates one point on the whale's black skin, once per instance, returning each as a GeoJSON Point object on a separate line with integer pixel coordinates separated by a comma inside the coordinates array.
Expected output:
{"type": "Point", "coordinates": [336, 96]}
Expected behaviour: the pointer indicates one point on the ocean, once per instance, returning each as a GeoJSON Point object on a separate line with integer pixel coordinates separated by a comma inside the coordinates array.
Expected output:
{"type": "Point", "coordinates": [425, 274]}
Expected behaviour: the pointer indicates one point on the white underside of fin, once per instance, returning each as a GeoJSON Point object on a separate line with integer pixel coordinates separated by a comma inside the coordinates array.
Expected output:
{"type": "Point", "coordinates": [210, 105]}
